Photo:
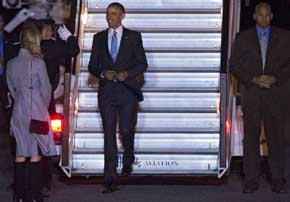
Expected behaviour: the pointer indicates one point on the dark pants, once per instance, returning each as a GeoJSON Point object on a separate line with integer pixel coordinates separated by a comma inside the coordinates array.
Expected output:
{"type": "Point", "coordinates": [274, 133]}
{"type": "Point", "coordinates": [51, 107]}
{"type": "Point", "coordinates": [117, 103]}
{"type": "Point", "coordinates": [4, 110]}
{"type": "Point", "coordinates": [27, 178]}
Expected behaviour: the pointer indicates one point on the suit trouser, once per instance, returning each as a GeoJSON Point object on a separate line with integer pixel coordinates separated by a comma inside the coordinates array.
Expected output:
{"type": "Point", "coordinates": [274, 128]}
{"type": "Point", "coordinates": [4, 114]}
{"type": "Point", "coordinates": [117, 103]}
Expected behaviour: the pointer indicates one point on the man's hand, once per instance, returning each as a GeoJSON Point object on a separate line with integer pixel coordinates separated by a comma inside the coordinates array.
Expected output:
{"type": "Point", "coordinates": [122, 76]}
{"type": "Point", "coordinates": [110, 75]}
{"type": "Point", "coordinates": [264, 81]}
{"type": "Point", "coordinates": [63, 32]}
{"type": "Point", "coordinates": [269, 80]}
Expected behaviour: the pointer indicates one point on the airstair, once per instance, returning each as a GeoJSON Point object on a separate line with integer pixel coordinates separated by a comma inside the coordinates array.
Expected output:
{"type": "Point", "coordinates": [180, 123]}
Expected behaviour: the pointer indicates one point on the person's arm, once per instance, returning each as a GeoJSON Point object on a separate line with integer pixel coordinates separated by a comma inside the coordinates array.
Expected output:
{"type": "Point", "coordinates": [282, 73]}
{"type": "Point", "coordinates": [66, 49]}
{"type": "Point", "coordinates": [45, 87]}
{"type": "Point", "coordinates": [70, 47]}
{"type": "Point", "coordinates": [140, 59]}
{"type": "Point", "coordinates": [236, 63]}
{"type": "Point", "coordinates": [94, 63]}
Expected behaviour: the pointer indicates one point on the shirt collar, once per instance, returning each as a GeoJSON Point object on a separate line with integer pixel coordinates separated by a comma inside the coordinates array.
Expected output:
{"type": "Point", "coordinates": [260, 30]}
{"type": "Point", "coordinates": [119, 30]}
{"type": "Point", "coordinates": [25, 52]}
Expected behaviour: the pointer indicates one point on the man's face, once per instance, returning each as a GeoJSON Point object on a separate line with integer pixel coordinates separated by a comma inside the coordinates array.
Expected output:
{"type": "Point", "coordinates": [263, 17]}
{"type": "Point", "coordinates": [47, 32]}
{"type": "Point", "coordinates": [114, 17]}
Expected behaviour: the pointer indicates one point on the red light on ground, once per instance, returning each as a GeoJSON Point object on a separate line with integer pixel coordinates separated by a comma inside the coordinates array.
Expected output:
{"type": "Point", "coordinates": [56, 125]}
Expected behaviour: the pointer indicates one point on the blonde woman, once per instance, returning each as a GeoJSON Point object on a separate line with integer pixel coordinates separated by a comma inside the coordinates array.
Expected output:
{"type": "Point", "coordinates": [29, 86]}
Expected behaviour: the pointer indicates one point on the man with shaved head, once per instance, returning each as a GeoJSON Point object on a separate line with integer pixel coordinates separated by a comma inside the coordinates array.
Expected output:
{"type": "Point", "coordinates": [260, 61]}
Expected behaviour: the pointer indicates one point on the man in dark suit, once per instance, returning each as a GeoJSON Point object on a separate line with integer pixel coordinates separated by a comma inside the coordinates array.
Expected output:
{"type": "Point", "coordinates": [118, 60]}
{"type": "Point", "coordinates": [260, 61]}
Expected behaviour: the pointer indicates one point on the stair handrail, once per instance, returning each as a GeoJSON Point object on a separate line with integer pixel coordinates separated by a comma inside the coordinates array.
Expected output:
{"type": "Point", "coordinates": [71, 90]}
{"type": "Point", "coordinates": [231, 21]}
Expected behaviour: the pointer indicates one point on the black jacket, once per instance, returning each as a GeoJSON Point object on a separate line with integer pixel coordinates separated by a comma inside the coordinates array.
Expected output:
{"type": "Point", "coordinates": [55, 53]}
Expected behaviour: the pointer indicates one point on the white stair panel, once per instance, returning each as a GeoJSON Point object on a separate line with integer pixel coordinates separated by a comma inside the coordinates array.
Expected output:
{"type": "Point", "coordinates": [172, 41]}
{"type": "Point", "coordinates": [157, 21]}
{"type": "Point", "coordinates": [178, 81]}
{"type": "Point", "coordinates": [175, 61]}
{"type": "Point", "coordinates": [153, 142]}
{"type": "Point", "coordinates": [159, 4]}
{"type": "Point", "coordinates": [151, 164]}
{"type": "Point", "coordinates": [155, 122]}
{"type": "Point", "coordinates": [162, 101]}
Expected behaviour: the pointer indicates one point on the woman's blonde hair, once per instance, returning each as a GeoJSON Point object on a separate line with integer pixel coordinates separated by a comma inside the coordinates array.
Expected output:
{"type": "Point", "coordinates": [30, 39]}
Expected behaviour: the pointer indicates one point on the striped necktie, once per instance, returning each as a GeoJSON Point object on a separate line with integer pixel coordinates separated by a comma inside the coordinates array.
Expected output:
{"type": "Point", "coordinates": [263, 45]}
{"type": "Point", "coordinates": [114, 47]}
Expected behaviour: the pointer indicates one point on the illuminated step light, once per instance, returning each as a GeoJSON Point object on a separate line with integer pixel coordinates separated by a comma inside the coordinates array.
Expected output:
{"type": "Point", "coordinates": [56, 121]}
{"type": "Point", "coordinates": [57, 127]}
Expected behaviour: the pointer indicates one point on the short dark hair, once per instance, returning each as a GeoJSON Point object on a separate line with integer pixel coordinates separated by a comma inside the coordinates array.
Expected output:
{"type": "Point", "coordinates": [263, 4]}
{"type": "Point", "coordinates": [118, 5]}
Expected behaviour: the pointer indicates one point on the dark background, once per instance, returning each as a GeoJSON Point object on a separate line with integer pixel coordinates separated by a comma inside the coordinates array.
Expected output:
{"type": "Point", "coordinates": [281, 11]}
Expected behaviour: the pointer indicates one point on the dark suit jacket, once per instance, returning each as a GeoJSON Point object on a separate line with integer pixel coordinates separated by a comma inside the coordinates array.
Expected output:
{"type": "Point", "coordinates": [56, 53]}
{"type": "Point", "coordinates": [246, 63]}
{"type": "Point", "coordinates": [131, 58]}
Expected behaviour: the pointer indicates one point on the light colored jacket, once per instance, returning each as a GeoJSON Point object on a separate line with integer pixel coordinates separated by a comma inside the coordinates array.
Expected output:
{"type": "Point", "coordinates": [24, 73]}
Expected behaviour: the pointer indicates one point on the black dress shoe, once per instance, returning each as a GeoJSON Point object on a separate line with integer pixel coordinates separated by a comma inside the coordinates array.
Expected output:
{"type": "Point", "coordinates": [111, 189]}
{"type": "Point", "coordinates": [250, 187]}
{"type": "Point", "coordinates": [18, 200]}
{"type": "Point", "coordinates": [44, 194]}
{"type": "Point", "coordinates": [285, 183]}
{"type": "Point", "coordinates": [280, 186]}
{"type": "Point", "coordinates": [111, 183]}
{"type": "Point", "coordinates": [126, 170]}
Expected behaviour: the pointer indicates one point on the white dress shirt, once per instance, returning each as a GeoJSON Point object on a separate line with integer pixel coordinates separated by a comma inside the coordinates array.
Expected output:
{"type": "Point", "coordinates": [119, 31]}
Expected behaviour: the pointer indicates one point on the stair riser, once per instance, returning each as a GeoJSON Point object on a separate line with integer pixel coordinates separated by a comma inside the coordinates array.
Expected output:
{"type": "Point", "coordinates": [162, 101]}
{"type": "Point", "coordinates": [152, 164]}
{"type": "Point", "coordinates": [166, 4]}
{"type": "Point", "coordinates": [171, 41]}
{"type": "Point", "coordinates": [172, 80]}
{"type": "Point", "coordinates": [175, 61]}
{"type": "Point", "coordinates": [156, 21]}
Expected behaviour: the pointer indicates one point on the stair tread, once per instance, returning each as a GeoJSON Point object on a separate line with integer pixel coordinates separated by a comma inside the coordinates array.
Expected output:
{"type": "Point", "coordinates": [172, 110]}
{"type": "Point", "coordinates": [163, 10]}
{"type": "Point", "coordinates": [175, 50]}
{"type": "Point", "coordinates": [173, 70]}
{"type": "Point", "coordinates": [153, 130]}
{"type": "Point", "coordinates": [209, 90]}
{"type": "Point", "coordinates": [93, 130]}
{"type": "Point", "coordinates": [194, 152]}
{"type": "Point", "coordinates": [197, 172]}
{"type": "Point", "coordinates": [164, 30]}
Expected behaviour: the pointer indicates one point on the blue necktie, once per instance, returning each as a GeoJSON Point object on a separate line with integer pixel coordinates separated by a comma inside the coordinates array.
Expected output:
{"type": "Point", "coordinates": [114, 46]}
